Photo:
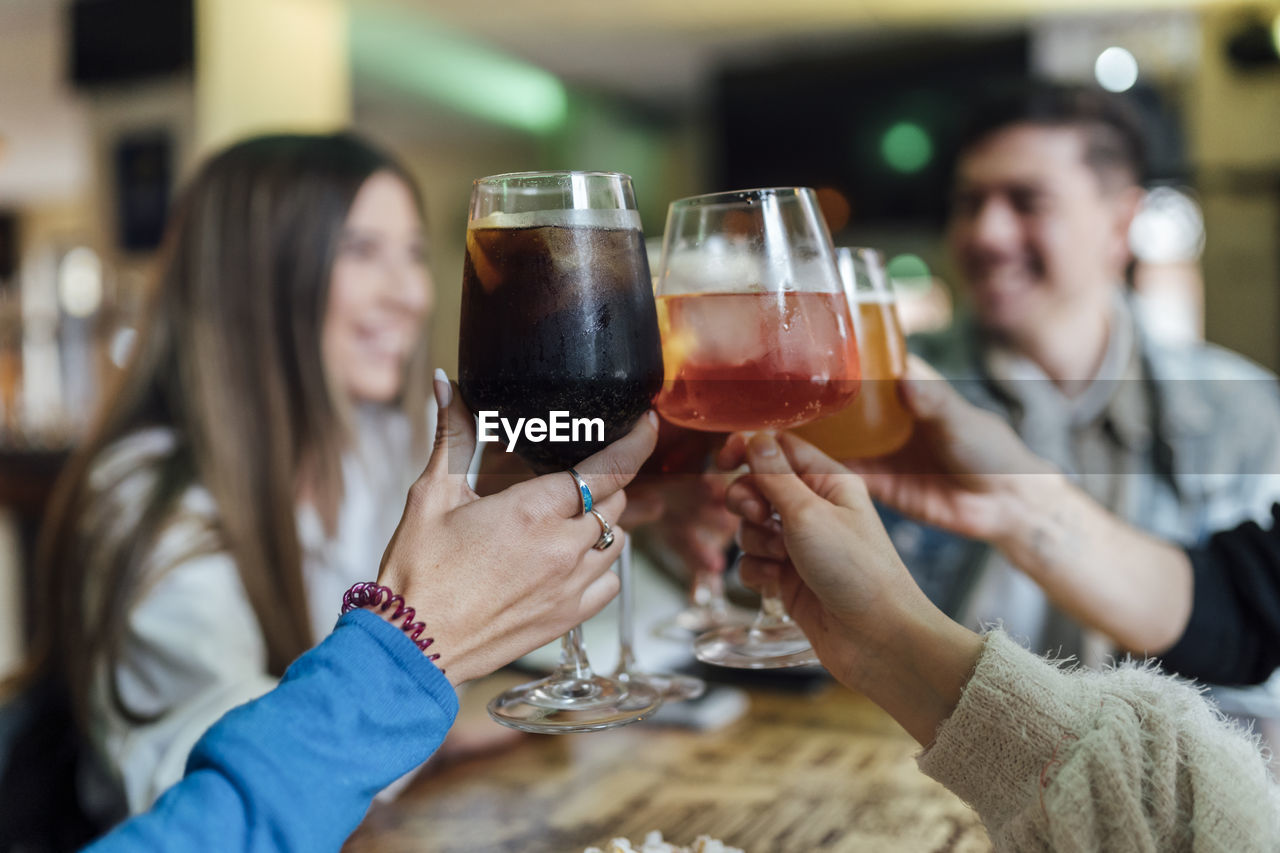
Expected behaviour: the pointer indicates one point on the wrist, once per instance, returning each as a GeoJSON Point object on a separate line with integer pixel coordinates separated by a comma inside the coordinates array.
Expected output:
{"type": "Point", "coordinates": [392, 607]}
{"type": "Point", "coordinates": [924, 678]}
{"type": "Point", "coordinates": [1028, 502]}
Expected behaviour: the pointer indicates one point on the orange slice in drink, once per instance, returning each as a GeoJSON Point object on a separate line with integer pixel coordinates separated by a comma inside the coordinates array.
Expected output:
{"type": "Point", "coordinates": [490, 276]}
{"type": "Point", "coordinates": [677, 346]}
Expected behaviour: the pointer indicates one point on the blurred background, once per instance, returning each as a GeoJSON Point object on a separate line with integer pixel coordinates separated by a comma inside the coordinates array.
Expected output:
{"type": "Point", "coordinates": [106, 106]}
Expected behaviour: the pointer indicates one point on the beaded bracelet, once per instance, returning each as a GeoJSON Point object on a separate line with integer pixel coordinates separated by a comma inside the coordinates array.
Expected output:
{"type": "Point", "coordinates": [369, 594]}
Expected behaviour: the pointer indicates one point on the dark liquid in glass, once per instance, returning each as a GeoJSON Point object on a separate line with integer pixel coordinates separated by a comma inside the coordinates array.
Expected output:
{"type": "Point", "coordinates": [559, 318]}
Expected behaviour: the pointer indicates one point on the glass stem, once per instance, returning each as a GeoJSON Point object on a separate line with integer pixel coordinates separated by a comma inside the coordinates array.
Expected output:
{"type": "Point", "coordinates": [772, 613]}
{"type": "Point", "coordinates": [708, 591]}
{"type": "Point", "coordinates": [626, 622]}
{"type": "Point", "coordinates": [573, 656]}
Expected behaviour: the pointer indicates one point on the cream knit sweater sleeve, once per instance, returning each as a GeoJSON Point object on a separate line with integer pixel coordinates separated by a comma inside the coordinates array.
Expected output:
{"type": "Point", "coordinates": [1124, 760]}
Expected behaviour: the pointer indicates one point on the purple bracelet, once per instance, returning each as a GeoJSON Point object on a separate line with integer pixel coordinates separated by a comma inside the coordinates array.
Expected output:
{"type": "Point", "coordinates": [369, 594]}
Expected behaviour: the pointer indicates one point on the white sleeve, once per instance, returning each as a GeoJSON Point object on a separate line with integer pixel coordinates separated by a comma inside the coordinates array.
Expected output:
{"type": "Point", "coordinates": [1128, 759]}
{"type": "Point", "coordinates": [191, 651]}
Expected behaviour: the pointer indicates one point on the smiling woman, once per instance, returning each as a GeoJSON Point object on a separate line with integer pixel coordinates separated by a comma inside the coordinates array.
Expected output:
{"type": "Point", "coordinates": [380, 291]}
{"type": "Point", "coordinates": [253, 459]}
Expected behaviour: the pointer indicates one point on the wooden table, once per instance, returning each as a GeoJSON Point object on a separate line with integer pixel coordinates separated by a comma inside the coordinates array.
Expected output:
{"type": "Point", "coordinates": [800, 772]}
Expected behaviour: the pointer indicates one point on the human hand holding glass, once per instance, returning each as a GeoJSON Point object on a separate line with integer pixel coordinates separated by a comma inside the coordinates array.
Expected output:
{"type": "Point", "coordinates": [757, 335]}
{"type": "Point", "coordinates": [490, 582]}
{"type": "Point", "coordinates": [873, 628]}
{"type": "Point", "coordinates": [963, 469]}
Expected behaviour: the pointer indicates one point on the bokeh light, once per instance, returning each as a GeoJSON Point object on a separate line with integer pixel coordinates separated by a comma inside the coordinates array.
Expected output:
{"type": "Point", "coordinates": [835, 208]}
{"type": "Point", "coordinates": [80, 282]}
{"type": "Point", "coordinates": [121, 346]}
{"type": "Point", "coordinates": [909, 272]}
{"type": "Point", "coordinates": [1116, 69]}
{"type": "Point", "coordinates": [906, 147]}
{"type": "Point", "coordinates": [1169, 227]}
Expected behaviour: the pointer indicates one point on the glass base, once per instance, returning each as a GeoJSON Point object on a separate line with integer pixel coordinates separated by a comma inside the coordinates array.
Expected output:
{"type": "Point", "coordinates": [698, 620]}
{"type": "Point", "coordinates": [773, 647]}
{"type": "Point", "coordinates": [672, 687]}
{"type": "Point", "coordinates": [556, 705]}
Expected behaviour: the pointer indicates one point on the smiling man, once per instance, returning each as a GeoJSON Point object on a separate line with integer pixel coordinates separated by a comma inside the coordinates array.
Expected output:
{"type": "Point", "coordinates": [1179, 441]}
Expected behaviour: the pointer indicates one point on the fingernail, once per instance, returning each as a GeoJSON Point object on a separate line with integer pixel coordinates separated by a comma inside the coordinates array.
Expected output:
{"type": "Point", "coordinates": [764, 444]}
{"type": "Point", "coordinates": [753, 510]}
{"type": "Point", "coordinates": [653, 418]}
{"type": "Point", "coordinates": [444, 391]}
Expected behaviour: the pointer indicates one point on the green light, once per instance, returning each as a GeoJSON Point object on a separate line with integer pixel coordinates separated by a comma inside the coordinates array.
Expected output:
{"type": "Point", "coordinates": [425, 59]}
{"type": "Point", "coordinates": [1275, 33]}
{"type": "Point", "coordinates": [904, 267]}
{"type": "Point", "coordinates": [910, 275]}
{"type": "Point", "coordinates": [906, 147]}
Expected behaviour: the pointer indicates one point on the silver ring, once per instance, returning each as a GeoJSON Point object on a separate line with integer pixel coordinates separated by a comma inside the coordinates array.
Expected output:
{"type": "Point", "coordinates": [606, 532]}
{"type": "Point", "coordinates": [584, 493]}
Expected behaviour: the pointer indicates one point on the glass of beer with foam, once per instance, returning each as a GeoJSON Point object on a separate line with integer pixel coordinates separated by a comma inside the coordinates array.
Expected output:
{"type": "Point", "coordinates": [875, 423]}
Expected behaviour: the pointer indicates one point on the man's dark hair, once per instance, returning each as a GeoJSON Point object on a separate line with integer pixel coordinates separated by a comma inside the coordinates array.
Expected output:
{"type": "Point", "coordinates": [1113, 139]}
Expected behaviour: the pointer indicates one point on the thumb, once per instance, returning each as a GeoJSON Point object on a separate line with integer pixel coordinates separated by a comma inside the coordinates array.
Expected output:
{"type": "Point", "coordinates": [455, 443]}
{"type": "Point", "coordinates": [774, 476]}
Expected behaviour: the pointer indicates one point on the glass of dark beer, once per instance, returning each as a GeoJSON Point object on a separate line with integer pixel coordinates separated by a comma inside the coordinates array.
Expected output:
{"type": "Point", "coordinates": [558, 315]}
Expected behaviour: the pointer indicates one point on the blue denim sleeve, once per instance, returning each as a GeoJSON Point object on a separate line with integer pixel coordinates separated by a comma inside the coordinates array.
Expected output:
{"type": "Point", "coordinates": [297, 768]}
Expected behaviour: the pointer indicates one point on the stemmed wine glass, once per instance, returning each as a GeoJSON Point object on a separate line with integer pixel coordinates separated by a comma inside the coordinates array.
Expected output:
{"type": "Point", "coordinates": [708, 608]}
{"type": "Point", "coordinates": [687, 454]}
{"type": "Point", "coordinates": [758, 335]}
{"type": "Point", "coordinates": [558, 315]}
{"type": "Point", "coordinates": [671, 686]}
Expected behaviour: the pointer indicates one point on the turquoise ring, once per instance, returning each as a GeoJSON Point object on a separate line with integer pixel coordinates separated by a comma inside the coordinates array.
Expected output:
{"type": "Point", "coordinates": [583, 491]}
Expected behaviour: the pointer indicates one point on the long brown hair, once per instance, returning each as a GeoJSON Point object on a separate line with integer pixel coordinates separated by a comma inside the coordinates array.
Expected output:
{"type": "Point", "coordinates": [229, 361]}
